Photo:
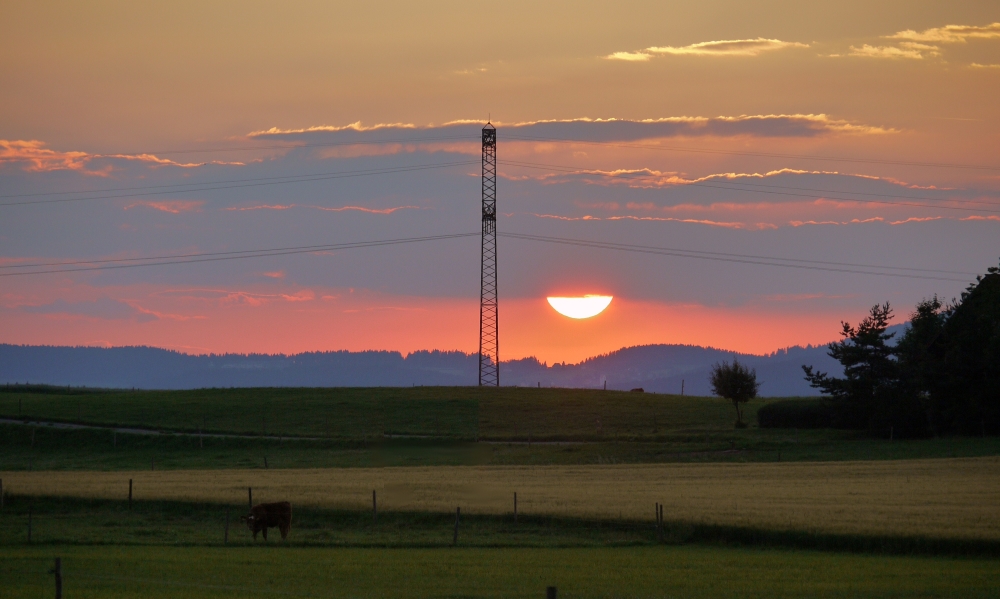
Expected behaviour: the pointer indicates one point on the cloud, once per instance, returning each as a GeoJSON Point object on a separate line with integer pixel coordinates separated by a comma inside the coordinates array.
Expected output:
{"type": "Point", "coordinates": [171, 206]}
{"type": "Point", "coordinates": [976, 65]}
{"type": "Point", "coordinates": [919, 45]}
{"type": "Point", "coordinates": [949, 34]}
{"type": "Point", "coordinates": [728, 47]}
{"type": "Point", "coordinates": [909, 50]}
{"type": "Point", "coordinates": [629, 56]}
{"type": "Point", "coordinates": [324, 208]}
{"type": "Point", "coordinates": [584, 129]}
{"type": "Point", "coordinates": [35, 157]}
{"type": "Point", "coordinates": [230, 297]}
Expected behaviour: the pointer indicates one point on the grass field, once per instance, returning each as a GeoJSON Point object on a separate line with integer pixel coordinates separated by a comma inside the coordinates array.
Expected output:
{"type": "Point", "coordinates": [49, 448]}
{"type": "Point", "coordinates": [358, 414]}
{"type": "Point", "coordinates": [942, 498]}
{"type": "Point", "coordinates": [425, 426]}
{"type": "Point", "coordinates": [160, 572]}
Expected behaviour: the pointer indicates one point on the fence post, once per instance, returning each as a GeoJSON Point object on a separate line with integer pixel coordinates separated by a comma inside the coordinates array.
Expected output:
{"type": "Point", "coordinates": [250, 497]}
{"type": "Point", "coordinates": [374, 508]}
{"type": "Point", "coordinates": [225, 540]}
{"type": "Point", "coordinates": [515, 507]}
{"type": "Point", "coordinates": [550, 592]}
{"type": "Point", "coordinates": [58, 572]}
{"type": "Point", "coordinates": [458, 513]}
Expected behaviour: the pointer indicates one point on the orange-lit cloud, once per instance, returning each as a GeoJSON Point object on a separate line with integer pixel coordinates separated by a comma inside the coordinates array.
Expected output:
{"type": "Point", "coordinates": [949, 34]}
{"type": "Point", "coordinates": [906, 50]}
{"type": "Point", "coordinates": [752, 47]}
{"type": "Point", "coordinates": [324, 208]}
{"type": "Point", "coordinates": [37, 158]}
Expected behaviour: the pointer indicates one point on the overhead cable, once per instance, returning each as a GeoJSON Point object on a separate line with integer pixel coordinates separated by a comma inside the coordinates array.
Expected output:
{"type": "Point", "coordinates": [191, 258]}
{"type": "Point", "coordinates": [232, 183]}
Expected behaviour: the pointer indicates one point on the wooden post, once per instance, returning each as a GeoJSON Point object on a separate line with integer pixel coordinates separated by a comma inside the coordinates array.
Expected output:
{"type": "Point", "coordinates": [605, 384]}
{"type": "Point", "coordinates": [225, 539]}
{"type": "Point", "coordinates": [515, 507]}
{"type": "Point", "coordinates": [656, 510]}
{"type": "Point", "coordinates": [58, 573]}
{"type": "Point", "coordinates": [250, 497]}
{"type": "Point", "coordinates": [458, 514]}
{"type": "Point", "coordinates": [682, 387]}
{"type": "Point", "coordinates": [374, 508]}
{"type": "Point", "coordinates": [661, 522]}
{"type": "Point", "coordinates": [130, 494]}
{"type": "Point", "coordinates": [550, 592]}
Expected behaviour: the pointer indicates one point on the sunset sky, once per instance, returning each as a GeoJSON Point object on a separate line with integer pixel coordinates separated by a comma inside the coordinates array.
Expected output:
{"type": "Point", "coordinates": [738, 136]}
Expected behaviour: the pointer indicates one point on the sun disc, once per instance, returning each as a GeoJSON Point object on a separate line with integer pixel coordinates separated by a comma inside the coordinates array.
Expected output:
{"type": "Point", "coordinates": [580, 307]}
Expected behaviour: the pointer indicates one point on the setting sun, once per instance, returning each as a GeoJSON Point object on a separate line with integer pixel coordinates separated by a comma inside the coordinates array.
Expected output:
{"type": "Point", "coordinates": [580, 307]}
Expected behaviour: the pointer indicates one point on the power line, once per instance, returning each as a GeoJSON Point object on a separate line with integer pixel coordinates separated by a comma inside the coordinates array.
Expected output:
{"type": "Point", "coordinates": [738, 258]}
{"type": "Point", "coordinates": [117, 263]}
{"type": "Point", "coordinates": [762, 154]}
{"type": "Point", "coordinates": [234, 183]}
{"type": "Point", "coordinates": [190, 258]}
{"type": "Point", "coordinates": [733, 187]}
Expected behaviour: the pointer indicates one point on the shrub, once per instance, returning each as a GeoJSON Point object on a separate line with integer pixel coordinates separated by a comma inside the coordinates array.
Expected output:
{"type": "Point", "coordinates": [796, 413]}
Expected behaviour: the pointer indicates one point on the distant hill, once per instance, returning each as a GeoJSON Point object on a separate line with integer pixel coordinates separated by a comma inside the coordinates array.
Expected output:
{"type": "Point", "coordinates": [655, 368]}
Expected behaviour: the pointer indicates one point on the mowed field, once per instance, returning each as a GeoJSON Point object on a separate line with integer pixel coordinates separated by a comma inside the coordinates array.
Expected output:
{"type": "Point", "coordinates": [943, 498]}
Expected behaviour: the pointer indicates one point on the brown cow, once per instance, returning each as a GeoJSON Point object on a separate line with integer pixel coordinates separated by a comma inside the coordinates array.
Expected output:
{"type": "Point", "coordinates": [272, 515]}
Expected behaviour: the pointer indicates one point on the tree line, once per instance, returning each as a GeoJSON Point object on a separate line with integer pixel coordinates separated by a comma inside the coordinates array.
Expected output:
{"type": "Point", "coordinates": [942, 376]}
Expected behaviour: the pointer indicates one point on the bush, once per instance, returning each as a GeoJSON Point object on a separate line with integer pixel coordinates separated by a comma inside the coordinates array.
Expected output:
{"type": "Point", "coordinates": [796, 413]}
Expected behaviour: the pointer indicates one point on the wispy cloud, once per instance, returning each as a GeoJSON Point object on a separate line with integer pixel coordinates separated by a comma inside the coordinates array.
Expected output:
{"type": "Point", "coordinates": [949, 34]}
{"type": "Point", "coordinates": [911, 50]}
{"type": "Point", "coordinates": [324, 208]}
{"type": "Point", "coordinates": [583, 129]}
{"type": "Point", "coordinates": [231, 297]}
{"type": "Point", "coordinates": [752, 47]}
{"type": "Point", "coordinates": [917, 45]}
{"type": "Point", "coordinates": [976, 65]}
{"type": "Point", "coordinates": [171, 206]}
{"type": "Point", "coordinates": [35, 157]}
{"type": "Point", "coordinates": [728, 47]}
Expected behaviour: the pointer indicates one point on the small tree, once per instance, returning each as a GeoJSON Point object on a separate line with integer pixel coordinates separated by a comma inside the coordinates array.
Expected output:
{"type": "Point", "coordinates": [737, 383]}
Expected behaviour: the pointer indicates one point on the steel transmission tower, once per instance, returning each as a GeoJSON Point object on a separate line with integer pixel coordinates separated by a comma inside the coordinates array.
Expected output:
{"type": "Point", "coordinates": [489, 347]}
